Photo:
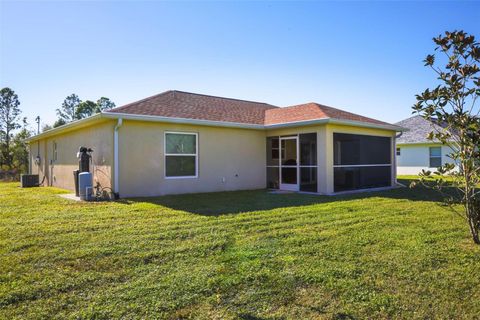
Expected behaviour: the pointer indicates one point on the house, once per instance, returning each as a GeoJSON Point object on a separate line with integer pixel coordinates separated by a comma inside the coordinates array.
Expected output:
{"type": "Point", "coordinates": [415, 152]}
{"type": "Point", "coordinates": [179, 142]}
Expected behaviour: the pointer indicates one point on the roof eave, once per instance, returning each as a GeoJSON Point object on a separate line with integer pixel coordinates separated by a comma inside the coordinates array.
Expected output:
{"type": "Point", "coordinates": [385, 126]}
{"type": "Point", "coordinates": [65, 127]}
{"type": "Point", "coordinates": [423, 143]}
{"type": "Point", "coordinates": [141, 117]}
{"type": "Point", "coordinates": [336, 121]}
{"type": "Point", "coordinates": [296, 123]}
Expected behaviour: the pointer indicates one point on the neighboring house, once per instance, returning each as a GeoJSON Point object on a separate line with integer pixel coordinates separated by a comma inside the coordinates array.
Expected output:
{"type": "Point", "coordinates": [415, 152]}
{"type": "Point", "coordinates": [178, 142]}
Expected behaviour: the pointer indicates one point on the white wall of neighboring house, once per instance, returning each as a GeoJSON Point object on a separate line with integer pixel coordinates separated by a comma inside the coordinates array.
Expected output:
{"type": "Point", "coordinates": [414, 158]}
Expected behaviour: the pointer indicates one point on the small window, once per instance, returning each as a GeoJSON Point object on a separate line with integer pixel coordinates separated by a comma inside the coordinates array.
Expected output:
{"type": "Point", "coordinates": [435, 157]}
{"type": "Point", "coordinates": [181, 155]}
{"type": "Point", "coordinates": [54, 155]}
{"type": "Point", "coordinates": [398, 152]}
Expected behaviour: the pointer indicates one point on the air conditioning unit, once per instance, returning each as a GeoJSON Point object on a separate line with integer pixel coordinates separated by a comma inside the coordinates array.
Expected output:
{"type": "Point", "coordinates": [29, 180]}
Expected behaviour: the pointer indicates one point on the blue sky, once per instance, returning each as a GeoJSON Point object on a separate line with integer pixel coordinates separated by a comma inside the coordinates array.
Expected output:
{"type": "Point", "coordinates": [364, 57]}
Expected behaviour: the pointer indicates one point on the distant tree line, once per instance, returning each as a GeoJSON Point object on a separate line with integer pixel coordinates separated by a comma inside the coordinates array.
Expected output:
{"type": "Point", "coordinates": [14, 129]}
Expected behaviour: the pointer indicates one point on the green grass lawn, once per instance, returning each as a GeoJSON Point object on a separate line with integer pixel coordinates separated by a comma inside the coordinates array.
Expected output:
{"type": "Point", "coordinates": [235, 255]}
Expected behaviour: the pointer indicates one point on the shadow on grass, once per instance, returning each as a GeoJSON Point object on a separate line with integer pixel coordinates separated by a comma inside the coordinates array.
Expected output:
{"type": "Point", "coordinates": [343, 316]}
{"type": "Point", "coordinates": [232, 202]}
{"type": "Point", "coordinates": [250, 317]}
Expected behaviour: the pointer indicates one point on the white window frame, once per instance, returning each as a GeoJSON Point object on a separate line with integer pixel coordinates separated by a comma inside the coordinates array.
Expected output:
{"type": "Point", "coordinates": [398, 151]}
{"type": "Point", "coordinates": [165, 154]}
{"type": "Point", "coordinates": [436, 157]}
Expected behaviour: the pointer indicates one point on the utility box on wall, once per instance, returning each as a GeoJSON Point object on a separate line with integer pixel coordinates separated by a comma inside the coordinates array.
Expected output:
{"type": "Point", "coordinates": [29, 180]}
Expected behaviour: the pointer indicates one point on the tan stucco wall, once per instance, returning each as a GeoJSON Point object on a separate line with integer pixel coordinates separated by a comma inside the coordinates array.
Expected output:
{"type": "Point", "coordinates": [223, 153]}
{"type": "Point", "coordinates": [59, 173]}
{"type": "Point", "coordinates": [37, 148]}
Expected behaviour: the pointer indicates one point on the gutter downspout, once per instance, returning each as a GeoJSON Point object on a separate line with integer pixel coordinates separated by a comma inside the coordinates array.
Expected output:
{"type": "Point", "coordinates": [395, 155]}
{"type": "Point", "coordinates": [116, 168]}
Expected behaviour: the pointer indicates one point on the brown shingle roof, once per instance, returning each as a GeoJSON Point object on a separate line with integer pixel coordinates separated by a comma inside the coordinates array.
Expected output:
{"type": "Point", "coordinates": [179, 104]}
{"type": "Point", "coordinates": [313, 111]}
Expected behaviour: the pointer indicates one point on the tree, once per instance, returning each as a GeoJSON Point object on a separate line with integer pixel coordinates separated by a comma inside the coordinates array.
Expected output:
{"type": "Point", "coordinates": [19, 150]}
{"type": "Point", "coordinates": [59, 122]}
{"type": "Point", "coordinates": [68, 111]}
{"type": "Point", "coordinates": [454, 104]}
{"type": "Point", "coordinates": [85, 109]}
{"type": "Point", "coordinates": [9, 121]}
{"type": "Point", "coordinates": [104, 104]}
{"type": "Point", "coordinates": [75, 109]}
{"type": "Point", "coordinates": [47, 127]}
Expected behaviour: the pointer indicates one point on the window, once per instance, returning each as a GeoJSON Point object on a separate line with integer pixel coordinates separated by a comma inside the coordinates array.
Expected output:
{"type": "Point", "coordinates": [54, 154]}
{"type": "Point", "coordinates": [361, 162]}
{"type": "Point", "coordinates": [181, 155]}
{"type": "Point", "coordinates": [398, 152]}
{"type": "Point", "coordinates": [435, 157]}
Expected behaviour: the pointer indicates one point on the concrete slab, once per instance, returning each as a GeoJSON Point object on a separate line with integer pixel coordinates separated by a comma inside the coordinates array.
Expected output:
{"type": "Point", "coordinates": [70, 196]}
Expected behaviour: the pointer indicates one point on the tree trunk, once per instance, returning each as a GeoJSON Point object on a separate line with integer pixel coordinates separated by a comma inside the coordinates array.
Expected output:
{"type": "Point", "coordinates": [473, 216]}
{"type": "Point", "coordinates": [8, 159]}
{"type": "Point", "coordinates": [474, 233]}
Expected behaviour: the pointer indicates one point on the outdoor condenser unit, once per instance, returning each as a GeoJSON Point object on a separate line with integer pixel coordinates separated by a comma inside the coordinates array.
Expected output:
{"type": "Point", "coordinates": [29, 180]}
